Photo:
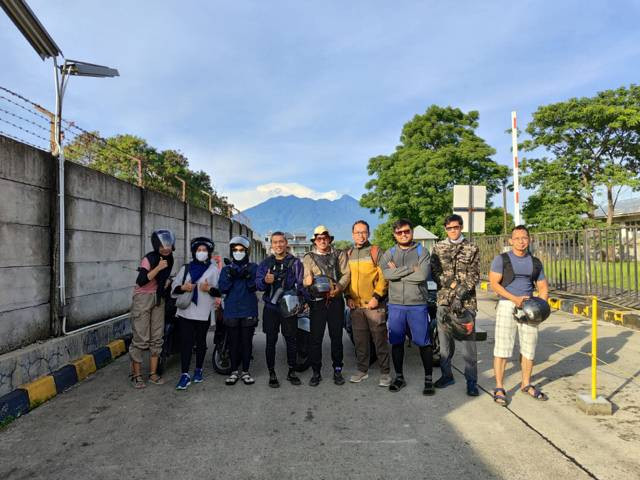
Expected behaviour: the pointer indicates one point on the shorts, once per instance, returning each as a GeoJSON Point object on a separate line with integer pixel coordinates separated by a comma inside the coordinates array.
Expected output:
{"type": "Point", "coordinates": [414, 316]}
{"type": "Point", "coordinates": [506, 327]}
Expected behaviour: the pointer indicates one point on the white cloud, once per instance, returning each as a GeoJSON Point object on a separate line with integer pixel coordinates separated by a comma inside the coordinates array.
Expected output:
{"type": "Point", "coordinates": [244, 199]}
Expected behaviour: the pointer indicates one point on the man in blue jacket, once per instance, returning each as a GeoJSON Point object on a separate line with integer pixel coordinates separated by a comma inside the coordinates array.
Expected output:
{"type": "Point", "coordinates": [279, 273]}
{"type": "Point", "coordinates": [238, 284]}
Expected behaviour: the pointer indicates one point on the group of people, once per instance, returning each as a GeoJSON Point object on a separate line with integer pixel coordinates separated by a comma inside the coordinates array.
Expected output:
{"type": "Point", "coordinates": [385, 295]}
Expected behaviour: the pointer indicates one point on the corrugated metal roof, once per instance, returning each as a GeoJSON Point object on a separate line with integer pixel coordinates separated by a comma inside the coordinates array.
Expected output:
{"type": "Point", "coordinates": [628, 206]}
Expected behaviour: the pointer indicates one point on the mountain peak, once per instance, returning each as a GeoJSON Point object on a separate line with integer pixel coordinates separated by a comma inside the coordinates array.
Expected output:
{"type": "Point", "coordinates": [294, 214]}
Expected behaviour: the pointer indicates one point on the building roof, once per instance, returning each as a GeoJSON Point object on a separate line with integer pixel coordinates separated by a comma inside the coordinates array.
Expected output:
{"type": "Point", "coordinates": [628, 206]}
{"type": "Point", "coordinates": [421, 233]}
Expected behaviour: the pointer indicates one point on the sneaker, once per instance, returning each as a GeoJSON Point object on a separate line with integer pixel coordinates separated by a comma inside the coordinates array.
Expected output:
{"type": "Point", "coordinates": [273, 380]}
{"type": "Point", "coordinates": [444, 382]}
{"type": "Point", "coordinates": [315, 380]}
{"type": "Point", "coordinates": [184, 382]}
{"type": "Point", "coordinates": [358, 377]}
{"type": "Point", "coordinates": [428, 388]}
{"type": "Point", "coordinates": [338, 379]}
{"type": "Point", "coordinates": [293, 378]}
{"type": "Point", "coordinates": [197, 376]}
{"type": "Point", "coordinates": [472, 389]}
{"type": "Point", "coordinates": [385, 380]}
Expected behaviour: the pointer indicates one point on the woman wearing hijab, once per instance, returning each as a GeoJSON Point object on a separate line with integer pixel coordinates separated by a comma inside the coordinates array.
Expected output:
{"type": "Point", "coordinates": [238, 284]}
{"type": "Point", "coordinates": [147, 309]}
{"type": "Point", "coordinates": [200, 279]}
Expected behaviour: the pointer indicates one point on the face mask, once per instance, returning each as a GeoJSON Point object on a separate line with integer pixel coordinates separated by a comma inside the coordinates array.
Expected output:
{"type": "Point", "coordinates": [238, 256]}
{"type": "Point", "coordinates": [202, 256]}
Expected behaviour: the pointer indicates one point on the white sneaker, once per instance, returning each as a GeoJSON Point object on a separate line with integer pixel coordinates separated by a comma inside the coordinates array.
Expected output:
{"type": "Point", "coordinates": [358, 377]}
{"type": "Point", "coordinates": [385, 380]}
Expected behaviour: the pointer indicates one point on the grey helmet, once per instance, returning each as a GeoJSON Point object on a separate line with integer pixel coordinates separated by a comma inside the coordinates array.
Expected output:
{"type": "Point", "coordinates": [290, 304]}
{"type": "Point", "coordinates": [240, 240]}
{"type": "Point", "coordinates": [321, 285]}
{"type": "Point", "coordinates": [536, 310]}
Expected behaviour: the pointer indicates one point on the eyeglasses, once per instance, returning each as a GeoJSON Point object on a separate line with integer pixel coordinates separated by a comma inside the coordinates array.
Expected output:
{"type": "Point", "coordinates": [322, 239]}
{"type": "Point", "coordinates": [453, 227]}
{"type": "Point", "coordinates": [360, 233]}
{"type": "Point", "coordinates": [403, 232]}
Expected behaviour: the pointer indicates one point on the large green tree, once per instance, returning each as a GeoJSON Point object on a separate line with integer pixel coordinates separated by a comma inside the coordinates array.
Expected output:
{"type": "Point", "coordinates": [592, 145]}
{"type": "Point", "coordinates": [437, 150]}
{"type": "Point", "coordinates": [116, 156]}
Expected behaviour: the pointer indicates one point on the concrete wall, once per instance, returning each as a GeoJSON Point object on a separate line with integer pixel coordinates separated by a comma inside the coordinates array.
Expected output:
{"type": "Point", "coordinates": [108, 227]}
{"type": "Point", "coordinates": [25, 195]}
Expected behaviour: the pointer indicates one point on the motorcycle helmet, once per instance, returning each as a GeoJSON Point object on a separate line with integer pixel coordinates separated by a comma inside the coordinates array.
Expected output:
{"type": "Point", "coordinates": [198, 241]}
{"type": "Point", "coordinates": [163, 239]}
{"type": "Point", "coordinates": [321, 285]}
{"type": "Point", "coordinates": [460, 324]}
{"type": "Point", "coordinates": [290, 304]}
{"type": "Point", "coordinates": [536, 310]}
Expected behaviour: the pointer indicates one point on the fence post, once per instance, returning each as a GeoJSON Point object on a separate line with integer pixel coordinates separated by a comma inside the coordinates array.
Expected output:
{"type": "Point", "coordinates": [594, 346]}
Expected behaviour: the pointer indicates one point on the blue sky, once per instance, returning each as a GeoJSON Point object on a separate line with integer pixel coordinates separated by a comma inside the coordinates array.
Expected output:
{"type": "Point", "coordinates": [296, 96]}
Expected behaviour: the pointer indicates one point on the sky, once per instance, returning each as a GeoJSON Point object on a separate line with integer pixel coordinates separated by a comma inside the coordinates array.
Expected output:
{"type": "Point", "coordinates": [294, 97]}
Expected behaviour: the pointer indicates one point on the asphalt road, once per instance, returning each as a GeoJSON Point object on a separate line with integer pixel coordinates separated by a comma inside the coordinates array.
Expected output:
{"type": "Point", "coordinates": [104, 429]}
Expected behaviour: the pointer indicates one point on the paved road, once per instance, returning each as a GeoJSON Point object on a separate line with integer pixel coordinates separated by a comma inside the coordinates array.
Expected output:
{"type": "Point", "coordinates": [103, 429]}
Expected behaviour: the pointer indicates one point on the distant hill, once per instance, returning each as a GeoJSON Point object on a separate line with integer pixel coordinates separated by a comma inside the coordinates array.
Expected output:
{"type": "Point", "coordinates": [294, 214]}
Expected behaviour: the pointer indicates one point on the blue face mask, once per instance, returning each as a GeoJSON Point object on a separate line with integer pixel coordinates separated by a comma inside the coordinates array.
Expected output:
{"type": "Point", "coordinates": [238, 256]}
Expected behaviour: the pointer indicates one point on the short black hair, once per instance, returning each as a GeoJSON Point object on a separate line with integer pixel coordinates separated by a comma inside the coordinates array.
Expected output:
{"type": "Point", "coordinates": [401, 222]}
{"type": "Point", "coordinates": [360, 222]}
{"type": "Point", "coordinates": [453, 218]}
{"type": "Point", "coordinates": [520, 227]}
{"type": "Point", "coordinates": [279, 234]}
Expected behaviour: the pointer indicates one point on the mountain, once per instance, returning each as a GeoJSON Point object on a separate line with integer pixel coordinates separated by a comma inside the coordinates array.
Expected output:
{"type": "Point", "coordinates": [294, 214]}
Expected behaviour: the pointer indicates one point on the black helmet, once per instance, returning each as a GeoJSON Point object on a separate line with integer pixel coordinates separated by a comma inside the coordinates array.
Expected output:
{"type": "Point", "coordinates": [460, 324]}
{"type": "Point", "coordinates": [321, 285]}
{"type": "Point", "coordinates": [198, 241]}
{"type": "Point", "coordinates": [290, 304]}
{"type": "Point", "coordinates": [536, 310]}
{"type": "Point", "coordinates": [163, 238]}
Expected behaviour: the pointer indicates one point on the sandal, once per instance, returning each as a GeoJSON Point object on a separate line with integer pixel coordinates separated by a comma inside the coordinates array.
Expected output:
{"type": "Point", "coordinates": [247, 378]}
{"type": "Point", "coordinates": [138, 382]}
{"type": "Point", "coordinates": [398, 384]}
{"type": "Point", "coordinates": [537, 393]}
{"type": "Point", "coordinates": [500, 397]}
{"type": "Point", "coordinates": [156, 379]}
{"type": "Point", "coordinates": [232, 379]}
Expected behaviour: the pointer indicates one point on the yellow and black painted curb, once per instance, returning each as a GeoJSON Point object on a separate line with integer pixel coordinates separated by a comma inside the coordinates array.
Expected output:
{"type": "Point", "coordinates": [28, 396]}
{"type": "Point", "coordinates": [582, 307]}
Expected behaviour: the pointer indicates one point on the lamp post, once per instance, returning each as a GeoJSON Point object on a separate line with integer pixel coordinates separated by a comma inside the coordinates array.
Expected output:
{"type": "Point", "coordinates": [33, 31]}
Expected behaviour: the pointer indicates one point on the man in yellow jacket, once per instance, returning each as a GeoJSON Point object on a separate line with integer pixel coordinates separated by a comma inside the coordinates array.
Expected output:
{"type": "Point", "coordinates": [366, 300]}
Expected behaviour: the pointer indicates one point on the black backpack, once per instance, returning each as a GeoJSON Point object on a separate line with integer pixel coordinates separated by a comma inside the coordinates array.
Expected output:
{"type": "Point", "coordinates": [507, 270]}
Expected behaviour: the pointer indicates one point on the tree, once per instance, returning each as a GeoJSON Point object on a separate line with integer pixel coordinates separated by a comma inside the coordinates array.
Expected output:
{"type": "Point", "coordinates": [343, 244]}
{"type": "Point", "coordinates": [594, 144]}
{"type": "Point", "coordinates": [494, 221]}
{"type": "Point", "coordinates": [116, 156]}
{"type": "Point", "coordinates": [437, 150]}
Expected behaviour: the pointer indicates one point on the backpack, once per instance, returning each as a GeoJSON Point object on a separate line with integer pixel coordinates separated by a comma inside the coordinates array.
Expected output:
{"type": "Point", "coordinates": [508, 276]}
{"type": "Point", "coordinates": [419, 249]}
{"type": "Point", "coordinates": [374, 252]}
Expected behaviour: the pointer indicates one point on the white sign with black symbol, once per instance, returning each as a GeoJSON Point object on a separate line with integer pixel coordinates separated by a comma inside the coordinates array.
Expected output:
{"type": "Point", "coordinates": [469, 201]}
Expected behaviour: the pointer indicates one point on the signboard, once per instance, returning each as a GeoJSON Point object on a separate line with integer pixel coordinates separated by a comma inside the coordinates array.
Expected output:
{"type": "Point", "coordinates": [469, 201]}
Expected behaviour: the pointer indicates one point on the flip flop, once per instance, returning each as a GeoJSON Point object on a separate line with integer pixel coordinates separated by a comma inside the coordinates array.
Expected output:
{"type": "Point", "coordinates": [500, 397]}
{"type": "Point", "coordinates": [537, 393]}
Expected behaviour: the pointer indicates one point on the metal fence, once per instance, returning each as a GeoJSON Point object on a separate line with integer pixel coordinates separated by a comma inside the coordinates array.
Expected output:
{"type": "Point", "coordinates": [599, 261]}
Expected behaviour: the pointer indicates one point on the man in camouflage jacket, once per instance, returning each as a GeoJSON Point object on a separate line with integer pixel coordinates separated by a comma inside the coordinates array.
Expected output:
{"type": "Point", "coordinates": [455, 269]}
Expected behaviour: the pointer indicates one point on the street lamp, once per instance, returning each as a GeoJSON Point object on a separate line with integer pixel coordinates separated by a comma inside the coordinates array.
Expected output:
{"type": "Point", "coordinates": [31, 28]}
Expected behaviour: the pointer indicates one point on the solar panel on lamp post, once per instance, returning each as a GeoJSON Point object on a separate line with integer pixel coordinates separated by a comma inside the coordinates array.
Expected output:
{"type": "Point", "coordinates": [34, 32]}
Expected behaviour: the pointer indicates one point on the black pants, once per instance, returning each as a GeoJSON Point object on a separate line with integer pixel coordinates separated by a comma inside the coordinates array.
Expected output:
{"type": "Point", "coordinates": [192, 332]}
{"type": "Point", "coordinates": [272, 324]}
{"type": "Point", "coordinates": [240, 346]}
{"type": "Point", "coordinates": [329, 314]}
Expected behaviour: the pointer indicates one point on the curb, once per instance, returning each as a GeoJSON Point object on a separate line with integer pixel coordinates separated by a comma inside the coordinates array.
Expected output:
{"type": "Point", "coordinates": [30, 395]}
{"type": "Point", "coordinates": [582, 308]}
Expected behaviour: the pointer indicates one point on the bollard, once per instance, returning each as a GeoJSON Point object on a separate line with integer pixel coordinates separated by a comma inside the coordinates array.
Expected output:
{"type": "Point", "coordinates": [594, 347]}
{"type": "Point", "coordinates": [592, 404]}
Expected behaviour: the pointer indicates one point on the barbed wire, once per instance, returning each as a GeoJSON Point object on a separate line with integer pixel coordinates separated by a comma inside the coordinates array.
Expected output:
{"type": "Point", "coordinates": [25, 108]}
{"type": "Point", "coordinates": [24, 129]}
{"type": "Point", "coordinates": [22, 140]}
{"type": "Point", "coordinates": [26, 120]}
